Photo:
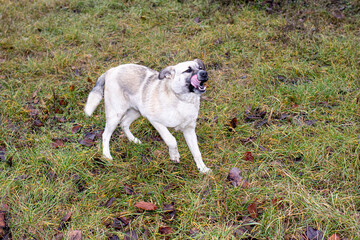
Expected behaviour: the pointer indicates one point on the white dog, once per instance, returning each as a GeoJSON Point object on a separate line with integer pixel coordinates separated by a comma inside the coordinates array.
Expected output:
{"type": "Point", "coordinates": [170, 98]}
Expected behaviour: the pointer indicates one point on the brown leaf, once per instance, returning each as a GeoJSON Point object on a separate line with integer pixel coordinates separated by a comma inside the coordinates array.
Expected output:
{"type": "Point", "coordinates": [236, 179]}
{"type": "Point", "coordinates": [109, 202]}
{"type": "Point", "coordinates": [113, 237]}
{"type": "Point", "coordinates": [252, 209]}
{"type": "Point", "coordinates": [65, 220]}
{"type": "Point", "coordinates": [22, 177]}
{"type": "Point", "coordinates": [169, 211]}
{"type": "Point", "coordinates": [2, 154]}
{"type": "Point", "coordinates": [119, 223]}
{"type": "Point", "coordinates": [218, 41]}
{"type": "Point", "coordinates": [335, 236]}
{"type": "Point", "coordinates": [2, 219]}
{"type": "Point", "coordinates": [233, 122]}
{"type": "Point", "coordinates": [234, 176]}
{"type": "Point", "coordinates": [277, 202]}
{"type": "Point", "coordinates": [248, 156]}
{"type": "Point", "coordinates": [38, 123]}
{"type": "Point", "coordinates": [313, 234]}
{"type": "Point", "coordinates": [129, 189]}
{"type": "Point", "coordinates": [76, 128]}
{"type": "Point", "coordinates": [57, 143]}
{"type": "Point", "coordinates": [247, 140]}
{"type": "Point", "coordinates": [75, 235]}
{"type": "Point", "coordinates": [4, 228]}
{"type": "Point", "coordinates": [131, 235]}
{"type": "Point", "coordinates": [88, 142]}
{"type": "Point", "coordinates": [146, 206]}
{"type": "Point", "coordinates": [58, 236]}
{"type": "Point", "coordinates": [165, 230]}
{"type": "Point", "coordinates": [338, 14]}
{"type": "Point", "coordinates": [193, 232]}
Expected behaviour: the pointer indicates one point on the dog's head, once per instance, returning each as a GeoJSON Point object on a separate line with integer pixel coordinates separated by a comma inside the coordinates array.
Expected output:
{"type": "Point", "coordinates": [186, 76]}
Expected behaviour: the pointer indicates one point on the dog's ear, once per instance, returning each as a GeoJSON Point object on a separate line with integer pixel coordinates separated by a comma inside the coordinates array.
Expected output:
{"type": "Point", "coordinates": [200, 63]}
{"type": "Point", "coordinates": [166, 72]}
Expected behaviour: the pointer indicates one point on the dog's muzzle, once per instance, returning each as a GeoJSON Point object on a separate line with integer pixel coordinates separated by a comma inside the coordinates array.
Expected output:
{"type": "Point", "coordinates": [198, 80]}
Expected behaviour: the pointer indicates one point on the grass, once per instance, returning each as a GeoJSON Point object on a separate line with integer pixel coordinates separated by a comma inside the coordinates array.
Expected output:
{"type": "Point", "coordinates": [289, 74]}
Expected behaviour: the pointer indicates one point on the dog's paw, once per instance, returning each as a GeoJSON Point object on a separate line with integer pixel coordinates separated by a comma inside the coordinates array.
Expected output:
{"type": "Point", "coordinates": [136, 140]}
{"type": "Point", "coordinates": [108, 156]}
{"type": "Point", "coordinates": [175, 157]}
{"type": "Point", "coordinates": [205, 170]}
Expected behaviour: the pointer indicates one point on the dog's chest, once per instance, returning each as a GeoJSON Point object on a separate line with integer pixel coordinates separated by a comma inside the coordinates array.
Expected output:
{"type": "Point", "coordinates": [177, 114]}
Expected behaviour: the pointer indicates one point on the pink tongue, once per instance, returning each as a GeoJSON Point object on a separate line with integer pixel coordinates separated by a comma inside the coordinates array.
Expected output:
{"type": "Point", "coordinates": [194, 81]}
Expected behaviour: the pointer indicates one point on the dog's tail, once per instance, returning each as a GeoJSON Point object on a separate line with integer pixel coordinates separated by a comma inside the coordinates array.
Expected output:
{"type": "Point", "coordinates": [95, 96]}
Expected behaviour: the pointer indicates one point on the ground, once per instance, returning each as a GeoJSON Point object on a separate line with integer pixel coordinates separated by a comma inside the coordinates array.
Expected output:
{"type": "Point", "coordinates": [282, 106]}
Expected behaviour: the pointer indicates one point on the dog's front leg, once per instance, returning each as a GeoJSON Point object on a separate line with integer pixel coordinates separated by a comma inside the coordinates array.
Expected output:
{"type": "Point", "coordinates": [170, 141]}
{"type": "Point", "coordinates": [191, 140]}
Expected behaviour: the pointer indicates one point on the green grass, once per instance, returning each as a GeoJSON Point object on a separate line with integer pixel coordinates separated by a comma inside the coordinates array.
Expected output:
{"type": "Point", "coordinates": [296, 62]}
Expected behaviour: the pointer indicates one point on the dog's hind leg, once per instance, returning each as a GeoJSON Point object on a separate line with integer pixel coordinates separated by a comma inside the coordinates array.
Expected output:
{"type": "Point", "coordinates": [111, 124]}
{"type": "Point", "coordinates": [170, 141]}
{"type": "Point", "coordinates": [130, 116]}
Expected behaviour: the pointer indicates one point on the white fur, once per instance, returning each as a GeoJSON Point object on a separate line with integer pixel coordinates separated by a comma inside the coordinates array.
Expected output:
{"type": "Point", "coordinates": [132, 90]}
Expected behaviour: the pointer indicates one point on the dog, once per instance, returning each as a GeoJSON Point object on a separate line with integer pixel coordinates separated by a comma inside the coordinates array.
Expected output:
{"type": "Point", "coordinates": [168, 99]}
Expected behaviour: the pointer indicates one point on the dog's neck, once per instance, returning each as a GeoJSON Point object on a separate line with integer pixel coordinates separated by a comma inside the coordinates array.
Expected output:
{"type": "Point", "coordinates": [192, 98]}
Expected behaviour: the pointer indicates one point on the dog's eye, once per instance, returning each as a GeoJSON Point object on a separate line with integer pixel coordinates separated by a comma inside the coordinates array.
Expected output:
{"type": "Point", "coordinates": [189, 70]}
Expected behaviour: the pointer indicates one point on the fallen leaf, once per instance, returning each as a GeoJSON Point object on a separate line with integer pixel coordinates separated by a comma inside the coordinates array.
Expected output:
{"type": "Point", "coordinates": [218, 41]}
{"type": "Point", "coordinates": [57, 143]}
{"type": "Point", "coordinates": [58, 236]}
{"type": "Point", "coordinates": [310, 122]}
{"type": "Point", "coordinates": [248, 223]}
{"type": "Point", "coordinates": [131, 235]}
{"type": "Point", "coordinates": [119, 223]}
{"type": "Point", "coordinates": [22, 177]}
{"type": "Point", "coordinates": [146, 206]}
{"type": "Point", "coordinates": [169, 211]}
{"type": "Point", "coordinates": [79, 182]}
{"type": "Point", "coordinates": [2, 154]}
{"type": "Point", "coordinates": [76, 128]}
{"type": "Point", "coordinates": [236, 179]}
{"type": "Point", "coordinates": [88, 142]}
{"type": "Point", "coordinates": [234, 176]}
{"type": "Point", "coordinates": [248, 156]}
{"type": "Point", "coordinates": [64, 221]}
{"type": "Point", "coordinates": [338, 14]}
{"type": "Point", "coordinates": [75, 235]}
{"type": "Point", "coordinates": [98, 162]}
{"type": "Point", "coordinates": [193, 232]}
{"type": "Point", "coordinates": [165, 230]}
{"type": "Point", "coordinates": [239, 231]}
{"type": "Point", "coordinates": [247, 140]}
{"type": "Point", "coordinates": [129, 189]}
{"type": "Point", "coordinates": [313, 234]}
{"type": "Point", "coordinates": [2, 219]}
{"type": "Point", "coordinates": [5, 232]}
{"type": "Point", "coordinates": [61, 119]}
{"type": "Point", "coordinates": [146, 158]}
{"type": "Point", "coordinates": [335, 236]}
{"type": "Point", "coordinates": [277, 202]}
{"type": "Point", "coordinates": [329, 150]}
{"type": "Point", "coordinates": [113, 237]}
{"type": "Point", "coordinates": [252, 209]}
{"type": "Point", "coordinates": [109, 202]}
{"type": "Point", "coordinates": [38, 123]}
{"type": "Point", "coordinates": [233, 122]}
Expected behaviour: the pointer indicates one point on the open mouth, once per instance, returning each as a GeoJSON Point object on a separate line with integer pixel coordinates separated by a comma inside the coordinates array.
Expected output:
{"type": "Point", "coordinates": [197, 84]}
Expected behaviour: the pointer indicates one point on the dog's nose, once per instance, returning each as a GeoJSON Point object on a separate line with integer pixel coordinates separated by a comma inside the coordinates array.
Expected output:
{"type": "Point", "coordinates": [203, 75]}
